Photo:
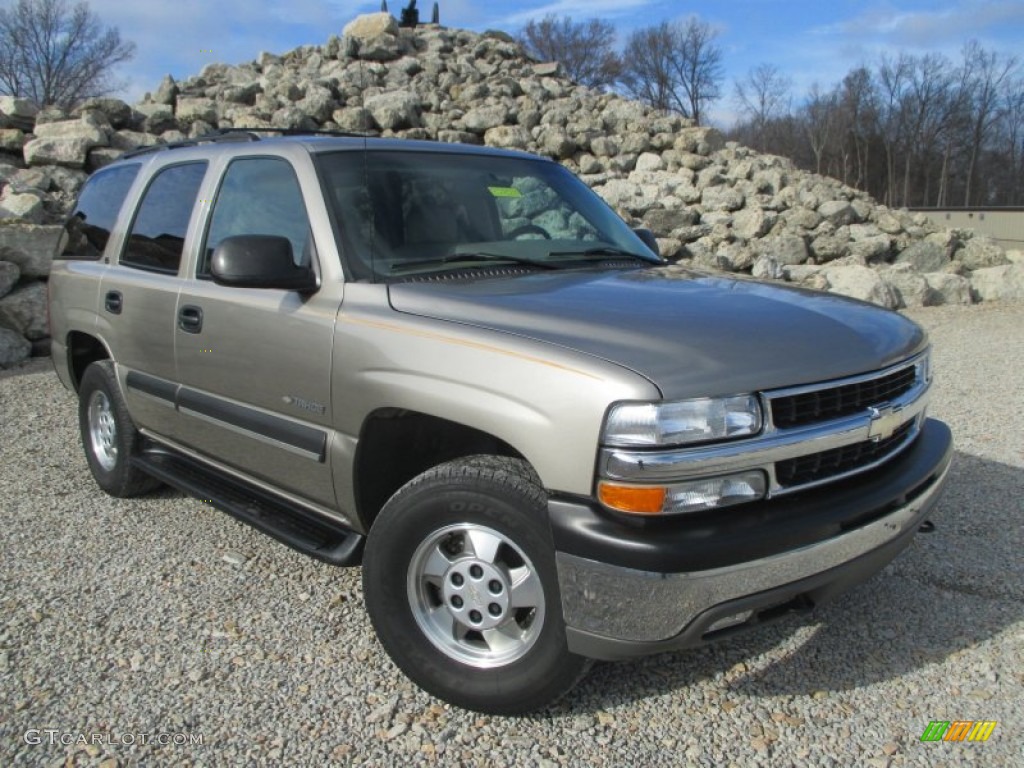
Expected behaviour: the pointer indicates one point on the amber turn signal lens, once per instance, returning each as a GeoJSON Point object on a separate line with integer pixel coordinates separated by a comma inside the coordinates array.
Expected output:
{"type": "Point", "coordinates": [638, 500]}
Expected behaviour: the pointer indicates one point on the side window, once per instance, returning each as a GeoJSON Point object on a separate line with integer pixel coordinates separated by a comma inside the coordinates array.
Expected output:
{"type": "Point", "coordinates": [157, 235]}
{"type": "Point", "coordinates": [259, 196]}
{"type": "Point", "coordinates": [88, 227]}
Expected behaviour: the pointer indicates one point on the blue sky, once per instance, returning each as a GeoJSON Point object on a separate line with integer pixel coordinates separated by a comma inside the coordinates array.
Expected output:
{"type": "Point", "coordinates": [809, 40]}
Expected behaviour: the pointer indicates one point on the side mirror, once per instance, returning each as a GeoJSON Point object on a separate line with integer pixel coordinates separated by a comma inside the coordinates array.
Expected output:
{"type": "Point", "coordinates": [649, 239]}
{"type": "Point", "coordinates": [260, 261]}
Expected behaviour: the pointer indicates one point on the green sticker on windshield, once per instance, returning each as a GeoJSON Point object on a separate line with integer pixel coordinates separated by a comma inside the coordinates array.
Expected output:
{"type": "Point", "coordinates": [505, 192]}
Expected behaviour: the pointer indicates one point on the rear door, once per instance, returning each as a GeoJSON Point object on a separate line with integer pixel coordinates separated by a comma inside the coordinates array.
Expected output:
{"type": "Point", "coordinates": [255, 364]}
{"type": "Point", "coordinates": [139, 293]}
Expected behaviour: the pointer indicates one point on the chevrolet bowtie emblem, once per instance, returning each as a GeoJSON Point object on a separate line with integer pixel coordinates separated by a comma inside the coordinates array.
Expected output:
{"type": "Point", "coordinates": [884, 421]}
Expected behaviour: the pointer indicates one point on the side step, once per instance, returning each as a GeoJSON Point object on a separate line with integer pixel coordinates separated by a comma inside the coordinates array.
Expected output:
{"type": "Point", "coordinates": [299, 529]}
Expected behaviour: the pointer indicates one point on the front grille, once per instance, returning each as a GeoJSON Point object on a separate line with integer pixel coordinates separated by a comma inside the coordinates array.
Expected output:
{"type": "Point", "coordinates": [835, 402]}
{"type": "Point", "coordinates": [838, 461]}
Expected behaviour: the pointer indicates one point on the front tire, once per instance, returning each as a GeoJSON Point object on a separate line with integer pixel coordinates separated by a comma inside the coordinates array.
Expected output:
{"type": "Point", "coordinates": [108, 434]}
{"type": "Point", "coordinates": [460, 584]}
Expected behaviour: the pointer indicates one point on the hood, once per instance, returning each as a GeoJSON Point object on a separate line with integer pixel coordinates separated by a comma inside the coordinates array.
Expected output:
{"type": "Point", "coordinates": [692, 335]}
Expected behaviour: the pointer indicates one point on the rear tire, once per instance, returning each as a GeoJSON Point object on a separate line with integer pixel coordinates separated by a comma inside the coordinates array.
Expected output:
{"type": "Point", "coordinates": [109, 436]}
{"type": "Point", "coordinates": [460, 584]}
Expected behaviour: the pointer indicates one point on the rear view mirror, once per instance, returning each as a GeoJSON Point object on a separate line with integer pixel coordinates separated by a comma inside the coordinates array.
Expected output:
{"type": "Point", "coordinates": [260, 261]}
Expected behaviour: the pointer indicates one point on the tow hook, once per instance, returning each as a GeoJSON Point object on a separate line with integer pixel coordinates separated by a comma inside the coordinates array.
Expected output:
{"type": "Point", "coordinates": [926, 527]}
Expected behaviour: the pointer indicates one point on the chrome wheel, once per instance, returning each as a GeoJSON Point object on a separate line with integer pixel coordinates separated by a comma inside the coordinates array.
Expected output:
{"type": "Point", "coordinates": [476, 595]}
{"type": "Point", "coordinates": [102, 430]}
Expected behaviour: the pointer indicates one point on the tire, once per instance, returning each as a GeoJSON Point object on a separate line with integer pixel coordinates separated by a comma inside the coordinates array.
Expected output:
{"type": "Point", "coordinates": [108, 435]}
{"type": "Point", "coordinates": [460, 584]}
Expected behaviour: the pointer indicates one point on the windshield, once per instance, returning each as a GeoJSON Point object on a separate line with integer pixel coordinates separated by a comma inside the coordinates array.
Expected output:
{"type": "Point", "coordinates": [400, 214]}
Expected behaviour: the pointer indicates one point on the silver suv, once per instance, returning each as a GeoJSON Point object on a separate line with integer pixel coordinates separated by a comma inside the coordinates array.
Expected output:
{"type": "Point", "coordinates": [458, 367]}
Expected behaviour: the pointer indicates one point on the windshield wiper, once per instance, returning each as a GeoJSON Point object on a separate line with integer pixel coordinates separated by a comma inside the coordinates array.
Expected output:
{"type": "Point", "coordinates": [456, 258]}
{"type": "Point", "coordinates": [603, 251]}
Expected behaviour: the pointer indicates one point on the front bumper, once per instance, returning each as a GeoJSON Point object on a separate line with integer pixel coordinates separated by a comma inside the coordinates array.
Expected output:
{"type": "Point", "coordinates": [667, 584]}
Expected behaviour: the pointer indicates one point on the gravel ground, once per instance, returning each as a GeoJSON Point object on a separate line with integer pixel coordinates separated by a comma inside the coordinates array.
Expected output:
{"type": "Point", "coordinates": [129, 619]}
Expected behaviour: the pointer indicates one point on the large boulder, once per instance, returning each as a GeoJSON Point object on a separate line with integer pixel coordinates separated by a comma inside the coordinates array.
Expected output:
{"type": "Point", "coordinates": [9, 274]}
{"type": "Point", "coordinates": [910, 287]}
{"type": "Point", "coordinates": [784, 249]}
{"type": "Point", "coordinates": [17, 113]}
{"type": "Point", "coordinates": [924, 256]}
{"type": "Point", "coordinates": [373, 36]}
{"type": "Point", "coordinates": [981, 252]}
{"type": "Point", "coordinates": [29, 246]}
{"type": "Point", "coordinates": [14, 348]}
{"type": "Point", "coordinates": [24, 311]}
{"type": "Point", "coordinates": [394, 110]}
{"type": "Point", "coordinates": [1003, 283]}
{"type": "Point", "coordinates": [27, 207]}
{"type": "Point", "coordinates": [948, 288]}
{"type": "Point", "coordinates": [11, 140]}
{"type": "Point", "coordinates": [861, 283]}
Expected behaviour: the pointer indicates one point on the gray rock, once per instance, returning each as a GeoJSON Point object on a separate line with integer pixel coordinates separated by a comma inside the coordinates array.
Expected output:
{"type": "Point", "coordinates": [838, 212]}
{"type": "Point", "coordinates": [482, 119]}
{"type": "Point", "coordinates": [17, 113]}
{"type": "Point", "coordinates": [664, 222]}
{"type": "Point", "coordinates": [100, 157]}
{"type": "Point", "coordinates": [910, 287]}
{"type": "Point", "coordinates": [767, 268]}
{"type": "Point", "coordinates": [72, 129]}
{"type": "Point", "coordinates": [557, 143]}
{"type": "Point", "coordinates": [877, 248]}
{"type": "Point", "coordinates": [752, 223]}
{"type": "Point", "coordinates": [826, 248]}
{"type": "Point", "coordinates": [189, 110]}
{"type": "Point", "coordinates": [507, 137]}
{"type": "Point", "coordinates": [888, 223]}
{"type": "Point", "coordinates": [117, 113]}
{"type": "Point", "coordinates": [157, 118]}
{"type": "Point", "coordinates": [721, 199]}
{"type": "Point", "coordinates": [948, 288]}
{"type": "Point", "coordinates": [68, 152]}
{"type": "Point", "coordinates": [373, 36]}
{"type": "Point", "coordinates": [861, 283]}
{"type": "Point", "coordinates": [29, 246]}
{"type": "Point", "coordinates": [126, 140]}
{"type": "Point", "coordinates": [547, 69]}
{"type": "Point", "coordinates": [22, 206]}
{"type": "Point", "coordinates": [924, 257]}
{"type": "Point", "coordinates": [24, 310]}
{"type": "Point", "coordinates": [801, 217]}
{"type": "Point", "coordinates": [604, 146]}
{"type": "Point", "coordinates": [11, 140]}
{"type": "Point", "coordinates": [13, 348]}
{"type": "Point", "coordinates": [166, 92]}
{"type": "Point", "coordinates": [1003, 283]}
{"type": "Point", "coordinates": [981, 252]}
{"type": "Point", "coordinates": [785, 249]}
{"type": "Point", "coordinates": [648, 161]}
{"type": "Point", "coordinates": [395, 110]}
{"type": "Point", "coordinates": [9, 274]}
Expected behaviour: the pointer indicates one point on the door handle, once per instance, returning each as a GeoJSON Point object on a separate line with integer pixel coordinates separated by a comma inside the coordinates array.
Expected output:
{"type": "Point", "coordinates": [113, 302]}
{"type": "Point", "coordinates": [190, 319]}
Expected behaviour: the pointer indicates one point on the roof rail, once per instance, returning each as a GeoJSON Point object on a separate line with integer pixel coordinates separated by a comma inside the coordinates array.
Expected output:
{"type": "Point", "coordinates": [224, 134]}
{"type": "Point", "coordinates": [240, 134]}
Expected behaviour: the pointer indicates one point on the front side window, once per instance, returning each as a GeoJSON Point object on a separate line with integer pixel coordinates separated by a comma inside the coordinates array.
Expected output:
{"type": "Point", "coordinates": [400, 214]}
{"type": "Point", "coordinates": [259, 196]}
{"type": "Point", "coordinates": [157, 236]}
{"type": "Point", "coordinates": [88, 228]}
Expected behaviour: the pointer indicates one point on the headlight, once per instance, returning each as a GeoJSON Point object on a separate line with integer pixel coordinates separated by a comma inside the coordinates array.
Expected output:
{"type": "Point", "coordinates": [681, 422]}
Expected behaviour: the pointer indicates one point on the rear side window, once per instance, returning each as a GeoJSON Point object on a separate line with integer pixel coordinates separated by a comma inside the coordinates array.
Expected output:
{"type": "Point", "coordinates": [88, 227]}
{"type": "Point", "coordinates": [157, 236]}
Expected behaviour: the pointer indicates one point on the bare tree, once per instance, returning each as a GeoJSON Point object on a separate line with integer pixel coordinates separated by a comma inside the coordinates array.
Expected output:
{"type": "Point", "coordinates": [819, 113]}
{"type": "Point", "coordinates": [675, 66]}
{"type": "Point", "coordinates": [762, 96]}
{"type": "Point", "coordinates": [53, 53]}
{"type": "Point", "coordinates": [584, 49]}
{"type": "Point", "coordinates": [988, 73]}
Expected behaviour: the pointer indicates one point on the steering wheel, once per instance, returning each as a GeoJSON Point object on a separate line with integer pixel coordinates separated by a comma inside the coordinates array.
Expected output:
{"type": "Point", "coordinates": [527, 228]}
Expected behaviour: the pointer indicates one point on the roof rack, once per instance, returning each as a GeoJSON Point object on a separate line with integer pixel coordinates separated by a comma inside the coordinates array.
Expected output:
{"type": "Point", "coordinates": [239, 134]}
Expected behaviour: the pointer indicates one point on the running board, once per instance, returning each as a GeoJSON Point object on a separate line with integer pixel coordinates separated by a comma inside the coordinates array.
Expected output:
{"type": "Point", "coordinates": [298, 528]}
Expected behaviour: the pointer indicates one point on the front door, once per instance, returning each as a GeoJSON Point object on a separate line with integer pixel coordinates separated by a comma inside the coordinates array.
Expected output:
{"type": "Point", "coordinates": [255, 364]}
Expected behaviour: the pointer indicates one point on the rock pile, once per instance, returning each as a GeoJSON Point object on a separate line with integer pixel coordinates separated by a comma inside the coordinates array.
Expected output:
{"type": "Point", "coordinates": [712, 204]}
